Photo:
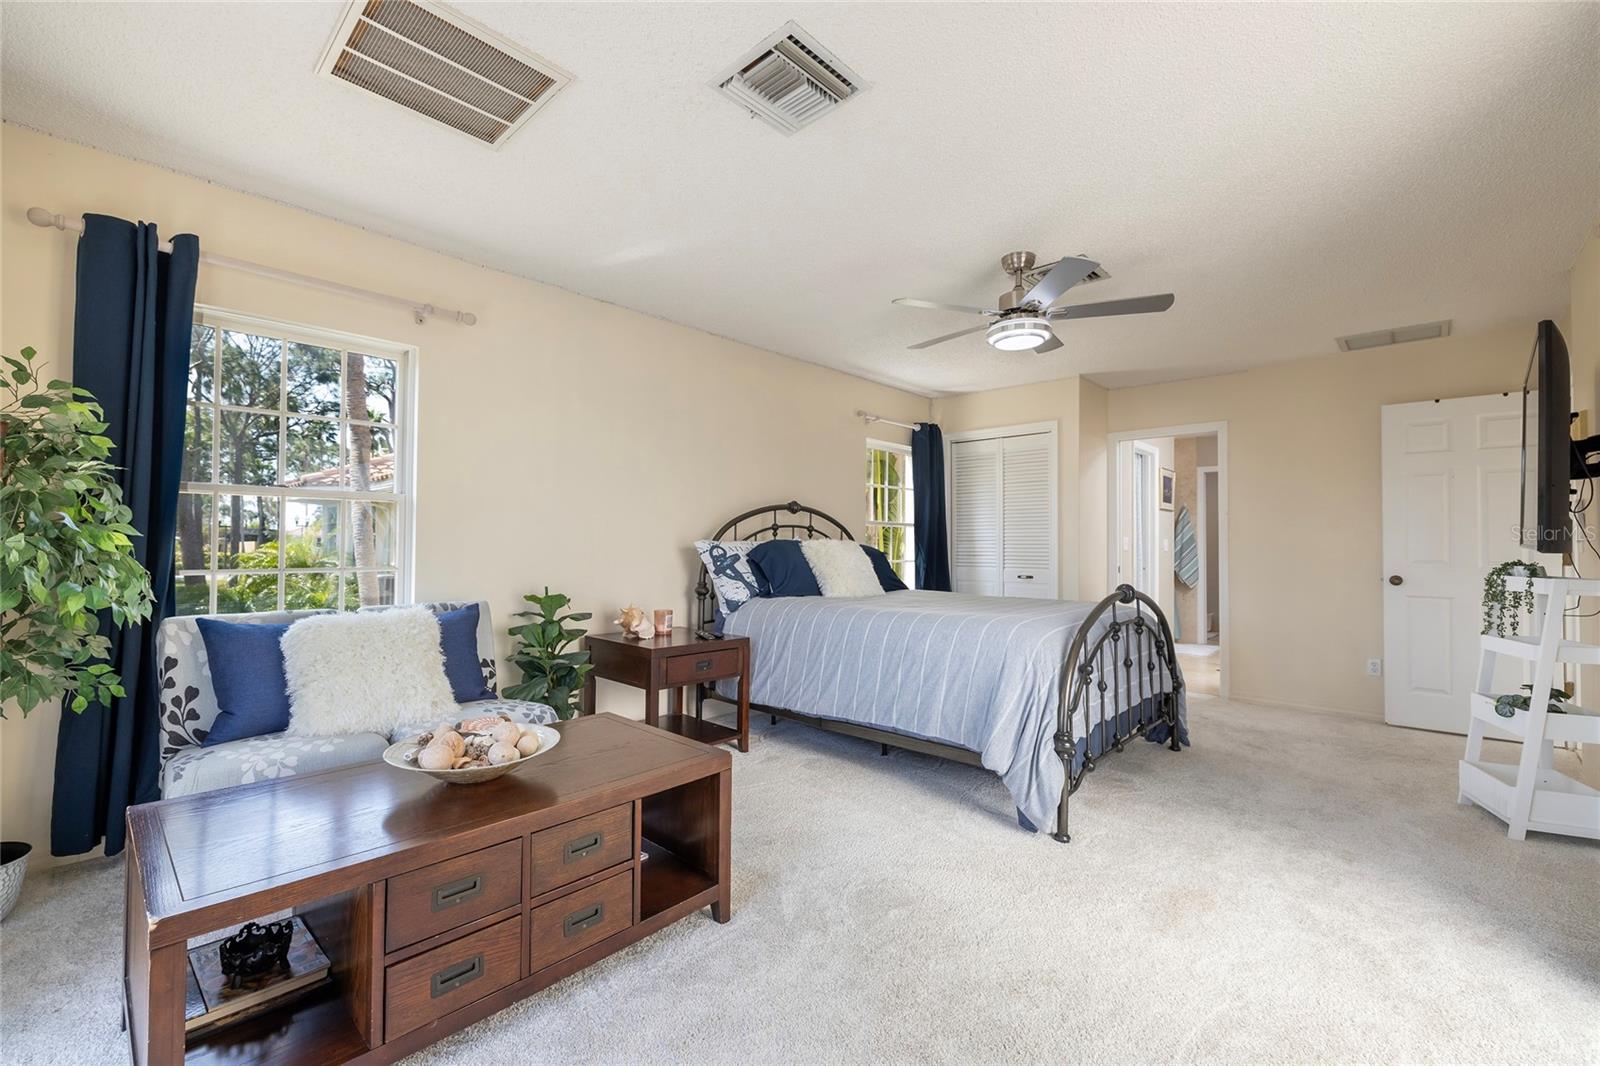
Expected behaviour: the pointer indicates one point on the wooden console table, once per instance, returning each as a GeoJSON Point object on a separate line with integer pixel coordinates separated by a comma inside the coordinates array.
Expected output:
{"type": "Point", "coordinates": [436, 904]}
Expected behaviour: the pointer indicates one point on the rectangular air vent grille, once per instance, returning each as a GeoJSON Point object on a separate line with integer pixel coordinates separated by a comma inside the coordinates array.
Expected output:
{"type": "Point", "coordinates": [789, 80]}
{"type": "Point", "coordinates": [1382, 338]}
{"type": "Point", "coordinates": [430, 60]}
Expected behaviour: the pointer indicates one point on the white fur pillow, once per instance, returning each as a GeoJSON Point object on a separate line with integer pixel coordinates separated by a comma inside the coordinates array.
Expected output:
{"type": "Point", "coordinates": [365, 672]}
{"type": "Point", "coordinates": [841, 568]}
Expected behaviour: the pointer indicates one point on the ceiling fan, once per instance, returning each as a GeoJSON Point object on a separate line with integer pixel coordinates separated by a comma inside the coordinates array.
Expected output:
{"type": "Point", "coordinates": [1022, 321]}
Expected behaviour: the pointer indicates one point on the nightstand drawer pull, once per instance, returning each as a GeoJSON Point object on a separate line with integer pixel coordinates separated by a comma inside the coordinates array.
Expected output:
{"type": "Point", "coordinates": [702, 666]}
{"type": "Point", "coordinates": [578, 921]}
{"type": "Point", "coordinates": [583, 847]}
{"type": "Point", "coordinates": [457, 892]}
{"type": "Point", "coordinates": [453, 977]}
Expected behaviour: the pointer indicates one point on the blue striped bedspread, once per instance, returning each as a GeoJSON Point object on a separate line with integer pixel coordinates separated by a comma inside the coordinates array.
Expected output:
{"type": "Point", "coordinates": [979, 672]}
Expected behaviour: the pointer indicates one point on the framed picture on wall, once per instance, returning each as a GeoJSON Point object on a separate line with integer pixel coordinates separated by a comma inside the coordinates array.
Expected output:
{"type": "Point", "coordinates": [1168, 478]}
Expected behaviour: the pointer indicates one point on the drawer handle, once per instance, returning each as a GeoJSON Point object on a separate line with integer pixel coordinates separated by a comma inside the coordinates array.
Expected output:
{"type": "Point", "coordinates": [457, 892]}
{"type": "Point", "coordinates": [702, 665]}
{"type": "Point", "coordinates": [453, 977]}
{"type": "Point", "coordinates": [583, 847]}
{"type": "Point", "coordinates": [578, 921]}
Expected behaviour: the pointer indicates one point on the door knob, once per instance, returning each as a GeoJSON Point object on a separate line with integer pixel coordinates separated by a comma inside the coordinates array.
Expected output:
{"type": "Point", "coordinates": [1396, 579]}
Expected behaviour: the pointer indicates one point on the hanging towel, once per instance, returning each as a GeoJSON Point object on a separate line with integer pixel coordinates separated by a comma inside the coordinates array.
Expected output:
{"type": "Point", "coordinates": [1185, 556]}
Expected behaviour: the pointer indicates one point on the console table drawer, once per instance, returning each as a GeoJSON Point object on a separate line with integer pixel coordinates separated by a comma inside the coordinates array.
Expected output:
{"type": "Point", "coordinates": [687, 669]}
{"type": "Point", "coordinates": [437, 982]}
{"type": "Point", "coordinates": [451, 893]}
{"type": "Point", "coordinates": [570, 924]}
{"type": "Point", "coordinates": [576, 849]}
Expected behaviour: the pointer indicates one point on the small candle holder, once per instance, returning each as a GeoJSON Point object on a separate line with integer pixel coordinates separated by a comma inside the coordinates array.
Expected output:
{"type": "Point", "coordinates": [663, 623]}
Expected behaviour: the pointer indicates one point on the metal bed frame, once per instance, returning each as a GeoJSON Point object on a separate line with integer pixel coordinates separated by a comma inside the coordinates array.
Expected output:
{"type": "Point", "coordinates": [1118, 665]}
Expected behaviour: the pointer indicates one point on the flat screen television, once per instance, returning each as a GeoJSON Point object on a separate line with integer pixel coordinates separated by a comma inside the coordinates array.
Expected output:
{"type": "Point", "coordinates": [1546, 523]}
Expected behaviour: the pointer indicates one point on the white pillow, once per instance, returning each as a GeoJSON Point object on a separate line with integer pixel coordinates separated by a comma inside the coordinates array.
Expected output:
{"type": "Point", "coordinates": [365, 672]}
{"type": "Point", "coordinates": [841, 568]}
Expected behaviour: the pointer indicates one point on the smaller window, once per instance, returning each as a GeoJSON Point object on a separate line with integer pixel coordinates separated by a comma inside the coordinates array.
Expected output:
{"type": "Point", "coordinates": [890, 506]}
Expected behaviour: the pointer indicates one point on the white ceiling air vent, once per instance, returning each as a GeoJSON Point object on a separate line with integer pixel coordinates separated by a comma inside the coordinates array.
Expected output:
{"type": "Point", "coordinates": [430, 60]}
{"type": "Point", "coordinates": [1426, 331]}
{"type": "Point", "coordinates": [789, 80]}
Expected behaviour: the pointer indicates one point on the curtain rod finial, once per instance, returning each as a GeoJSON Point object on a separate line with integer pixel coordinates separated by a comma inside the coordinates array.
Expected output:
{"type": "Point", "coordinates": [40, 217]}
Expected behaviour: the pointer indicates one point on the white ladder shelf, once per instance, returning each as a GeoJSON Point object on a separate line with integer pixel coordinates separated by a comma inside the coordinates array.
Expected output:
{"type": "Point", "coordinates": [1532, 794]}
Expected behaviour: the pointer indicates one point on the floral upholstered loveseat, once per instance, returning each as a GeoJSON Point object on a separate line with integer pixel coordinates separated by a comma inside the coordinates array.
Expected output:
{"type": "Point", "coordinates": [189, 706]}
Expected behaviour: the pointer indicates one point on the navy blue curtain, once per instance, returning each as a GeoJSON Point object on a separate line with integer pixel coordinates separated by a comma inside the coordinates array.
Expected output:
{"type": "Point", "coordinates": [135, 309]}
{"type": "Point", "coordinates": [932, 533]}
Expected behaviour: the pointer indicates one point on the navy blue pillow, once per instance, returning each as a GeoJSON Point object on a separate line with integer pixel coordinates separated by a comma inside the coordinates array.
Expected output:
{"type": "Point", "coordinates": [458, 639]}
{"type": "Point", "coordinates": [783, 569]}
{"type": "Point", "coordinates": [246, 663]}
{"type": "Point", "coordinates": [880, 565]}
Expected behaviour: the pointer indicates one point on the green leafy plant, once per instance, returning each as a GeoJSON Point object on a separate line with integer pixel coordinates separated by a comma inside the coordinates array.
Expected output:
{"type": "Point", "coordinates": [1508, 706]}
{"type": "Point", "coordinates": [1506, 601]}
{"type": "Point", "coordinates": [550, 673]}
{"type": "Point", "coordinates": [67, 552]}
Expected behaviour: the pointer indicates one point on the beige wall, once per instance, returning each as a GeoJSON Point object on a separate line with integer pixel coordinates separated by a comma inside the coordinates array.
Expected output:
{"type": "Point", "coordinates": [1304, 501]}
{"type": "Point", "coordinates": [1582, 332]}
{"type": "Point", "coordinates": [561, 440]}
{"type": "Point", "coordinates": [1093, 484]}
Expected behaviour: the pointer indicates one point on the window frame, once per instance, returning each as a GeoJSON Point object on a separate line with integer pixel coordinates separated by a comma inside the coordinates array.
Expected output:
{"type": "Point", "coordinates": [908, 495]}
{"type": "Point", "coordinates": [402, 494]}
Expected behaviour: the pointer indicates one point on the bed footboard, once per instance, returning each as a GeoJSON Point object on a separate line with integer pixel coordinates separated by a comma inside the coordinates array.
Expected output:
{"type": "Point", "coordinates": [1113, 678]}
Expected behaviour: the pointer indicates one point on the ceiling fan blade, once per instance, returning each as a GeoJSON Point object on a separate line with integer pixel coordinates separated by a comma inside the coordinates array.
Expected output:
{"type": "Point", "coordinates": [948, 337]}
{"type": "Point", "coordinates": [1050, 345]}
{"type": "Point", "coordinates": [1063, 276]}
{"type": "Point", "coordinates": [934, 305]}
{"type": "Point", "coordinates": [1137, 305]}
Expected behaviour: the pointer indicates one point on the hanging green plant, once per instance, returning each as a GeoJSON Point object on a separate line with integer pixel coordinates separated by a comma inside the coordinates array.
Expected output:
{"type": "Point", "coordinates": [1506, 601]}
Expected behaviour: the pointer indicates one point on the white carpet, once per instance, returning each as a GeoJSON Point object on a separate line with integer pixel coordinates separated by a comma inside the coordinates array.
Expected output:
{"type": "Point", "coordinates": [1296, 887]}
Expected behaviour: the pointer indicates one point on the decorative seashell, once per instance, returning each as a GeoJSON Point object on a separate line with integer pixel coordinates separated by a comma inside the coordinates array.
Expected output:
{"type": "Point", "coordinates": [450, 739]}
{"type": "Point", "coordinates": [481, 724]}
{"type": "Point", "coordinates": [505, 733]}
{"type": "Point", "coordinates": [436, 757]}
{"type": "Point", "coordinates": [503, 753]}
{"type": "Point", "coordinates": [631, 619]}
{"type": "Point", "coordinates": [528, 744]}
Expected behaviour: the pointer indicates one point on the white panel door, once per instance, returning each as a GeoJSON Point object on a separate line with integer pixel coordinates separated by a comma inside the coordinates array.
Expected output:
{"type": "Point", "coordinates": [1451, 484]}
{"type": "Point", "coordinates": [975, 516]}
{"type": "Point", "coordinates": [1028, 515]}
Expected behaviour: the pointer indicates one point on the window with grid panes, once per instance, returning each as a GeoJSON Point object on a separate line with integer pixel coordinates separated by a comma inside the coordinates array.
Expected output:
{"type": "Point", "coordinates": [889, 506]}
{"type": "Point", "coordinates": [295, 488]}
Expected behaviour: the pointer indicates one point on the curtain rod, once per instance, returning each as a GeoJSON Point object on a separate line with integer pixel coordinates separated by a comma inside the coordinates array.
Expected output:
{"type": "Point", "coordinates": [870, 417]}
{"type": "Point", "coordinates": [419, 310]}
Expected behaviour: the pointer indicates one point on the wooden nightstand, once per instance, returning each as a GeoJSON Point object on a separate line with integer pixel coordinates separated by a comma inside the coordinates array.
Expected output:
{"type": "Point", "coordinates": [672, 663]}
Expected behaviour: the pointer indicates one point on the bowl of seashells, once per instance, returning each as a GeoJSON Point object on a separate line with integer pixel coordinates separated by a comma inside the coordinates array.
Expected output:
{"type": "Point", "coordinates": [473, 750]}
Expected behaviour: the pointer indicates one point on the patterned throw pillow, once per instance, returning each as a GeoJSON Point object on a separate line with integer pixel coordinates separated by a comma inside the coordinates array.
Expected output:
{"type": "Point", "coordinates": [732, 578]}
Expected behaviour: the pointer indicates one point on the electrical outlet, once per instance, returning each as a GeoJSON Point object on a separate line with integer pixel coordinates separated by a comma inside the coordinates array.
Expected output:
{"type": "Point", "coordinates": [1374, 667]}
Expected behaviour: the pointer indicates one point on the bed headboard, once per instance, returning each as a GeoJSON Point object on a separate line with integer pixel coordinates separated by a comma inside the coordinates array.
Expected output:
{"type": "Point", "coordinates": [775, 521]}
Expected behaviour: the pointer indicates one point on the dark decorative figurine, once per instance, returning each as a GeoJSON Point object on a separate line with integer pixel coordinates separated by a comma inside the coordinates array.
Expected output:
{"type": "Point", "coordinates": [255, 951]}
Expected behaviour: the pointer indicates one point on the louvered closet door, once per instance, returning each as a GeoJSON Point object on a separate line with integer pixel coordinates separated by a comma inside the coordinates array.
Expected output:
{"type": "Point", "coordinates": [975, 513]}
{"type": "Point", "coordinates": [1028, 535]}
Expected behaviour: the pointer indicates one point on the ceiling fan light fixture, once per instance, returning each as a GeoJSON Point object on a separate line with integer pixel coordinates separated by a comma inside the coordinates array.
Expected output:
{"type": "Point", "coordinates": [1022, 333]}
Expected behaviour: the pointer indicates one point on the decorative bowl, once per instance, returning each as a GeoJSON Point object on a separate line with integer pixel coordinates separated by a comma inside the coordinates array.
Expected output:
{"type": "Point", "coordinates": [395, 755]}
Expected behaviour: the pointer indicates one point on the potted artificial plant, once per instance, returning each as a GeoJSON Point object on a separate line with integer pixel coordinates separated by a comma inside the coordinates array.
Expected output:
{"type": "Point", "coordinates": [551, 674]}
{"type": "Point", "coordinates": [1508, 595]}
{"type": "Point", "coordinates": [66, 555]}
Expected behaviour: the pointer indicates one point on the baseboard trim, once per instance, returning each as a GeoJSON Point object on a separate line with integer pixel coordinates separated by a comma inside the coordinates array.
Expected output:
{"type": "Point", "coordinates": [1316, 708]}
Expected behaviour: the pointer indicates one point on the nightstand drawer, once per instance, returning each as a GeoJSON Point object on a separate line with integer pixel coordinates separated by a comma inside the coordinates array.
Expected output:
{"type": "Point", "coordinates": [571, 923]}
{"type": "Point", "coordinates": [451, 893]}
{"type": "Point", "coordinates": [574, 850]}
{"type": "Point", "coordinates": [710, 666]}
